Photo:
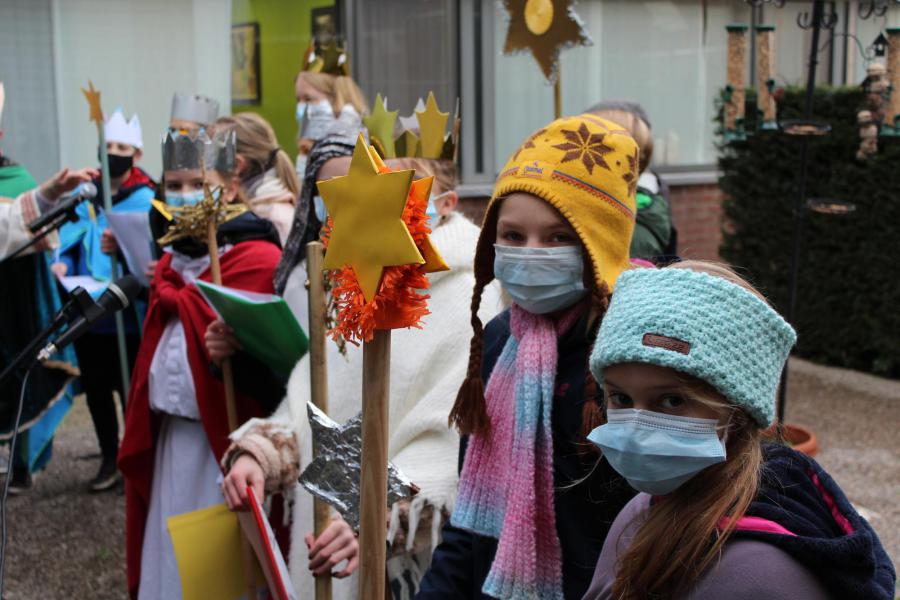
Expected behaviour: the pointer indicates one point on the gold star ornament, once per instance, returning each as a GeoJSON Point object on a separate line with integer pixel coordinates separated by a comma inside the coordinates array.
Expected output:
{"type": "Point", "coordinates": [367, 209]}
{"type": "Point", "coordinates": [544, 27]}
{"type": "Point", "coordinates": [432, 123]}
{"type": "Point", "coordinates": [93, 100]}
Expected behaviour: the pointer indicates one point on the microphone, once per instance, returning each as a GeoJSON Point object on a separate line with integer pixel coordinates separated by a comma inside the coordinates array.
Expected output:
{"type": "Point", "coordinates": [64, 206]}
{"type": "Point", "coordinates": [117, 296]}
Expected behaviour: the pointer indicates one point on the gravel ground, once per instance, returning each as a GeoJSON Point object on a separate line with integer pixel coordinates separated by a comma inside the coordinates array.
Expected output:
{"type": "Point", "coordinates": [66, 543]}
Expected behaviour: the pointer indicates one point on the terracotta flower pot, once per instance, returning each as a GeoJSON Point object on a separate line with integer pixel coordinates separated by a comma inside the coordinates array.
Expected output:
{"type": "Point", "coordinates": [801, 439]}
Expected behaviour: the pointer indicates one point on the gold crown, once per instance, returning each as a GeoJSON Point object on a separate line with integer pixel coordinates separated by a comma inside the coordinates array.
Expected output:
{"type": "Point", "coordinates": [329, 58]}
{"type": "Point", "coordinates": [422, 135]}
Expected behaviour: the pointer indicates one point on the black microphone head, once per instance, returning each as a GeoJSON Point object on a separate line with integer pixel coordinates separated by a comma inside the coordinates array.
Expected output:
{"type": "Point", "coordinates": [88, 190]}
{"type": "Point", "coordinates": [120, 292]}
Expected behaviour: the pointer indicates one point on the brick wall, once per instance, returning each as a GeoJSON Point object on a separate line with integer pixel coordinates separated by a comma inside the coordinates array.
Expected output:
{"type": "Point", "coordinates": [697, 214]}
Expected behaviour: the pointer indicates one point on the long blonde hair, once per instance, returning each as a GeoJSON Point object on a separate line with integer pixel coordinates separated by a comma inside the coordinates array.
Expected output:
{"type": "Point", "coordinates": [444, 171]}
{"type": "Point", "coordinates": [684, 532]}
{"type": "Point", "coordinates": [340, 89]}
{"type": "Point", "coordinates": [256, 142]}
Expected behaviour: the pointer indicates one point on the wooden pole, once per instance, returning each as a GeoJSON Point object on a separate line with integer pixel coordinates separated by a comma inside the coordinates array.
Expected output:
{"type": "Point", "coordinates": [230, 403]}
{"type": "Point", "coordinates": [373, 482]}
{"type": "Point", "coordinates": [557, 94]}
{"type": "Point", "coordinates": [114, 265]}
{"type": "Point", "coordinates": [318, 379]}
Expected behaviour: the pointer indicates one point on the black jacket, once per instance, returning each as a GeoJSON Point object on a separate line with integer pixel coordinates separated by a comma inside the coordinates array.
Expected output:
{"type": "Point", "coordinates": [584, 511]}
{"type": "Point", "coordinates": [831, 539]}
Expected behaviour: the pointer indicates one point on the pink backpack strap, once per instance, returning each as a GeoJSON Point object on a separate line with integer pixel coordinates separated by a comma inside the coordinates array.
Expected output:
{"type": "Point", "coordinates": [756, 524]}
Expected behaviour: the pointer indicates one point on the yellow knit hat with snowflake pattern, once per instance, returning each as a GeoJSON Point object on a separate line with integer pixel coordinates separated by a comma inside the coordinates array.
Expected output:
{"type": "Point", "coordinates": [587, 168]}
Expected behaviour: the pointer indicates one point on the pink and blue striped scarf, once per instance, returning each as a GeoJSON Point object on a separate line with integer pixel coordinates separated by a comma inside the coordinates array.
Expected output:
{"type": "Point", "coordinates": [506, 485]}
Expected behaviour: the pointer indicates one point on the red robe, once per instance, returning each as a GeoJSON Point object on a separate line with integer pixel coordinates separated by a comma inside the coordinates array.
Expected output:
{"type": "Point", "coordinates": [248, 266]}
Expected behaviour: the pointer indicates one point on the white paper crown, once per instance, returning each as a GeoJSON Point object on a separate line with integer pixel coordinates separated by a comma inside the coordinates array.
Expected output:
{"type": "Point", "coordinates": [194, 107]}
{"type": "Point", "coordinates": [117, 129]}
{"type": "Point", "coordinates": [189, 150]}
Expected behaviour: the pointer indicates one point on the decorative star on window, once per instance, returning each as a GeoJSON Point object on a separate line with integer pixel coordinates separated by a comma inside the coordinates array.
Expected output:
{"type": "Point", "coordinates": [585, 146]}
{"type": "Point", "coordinates": [545, 27]}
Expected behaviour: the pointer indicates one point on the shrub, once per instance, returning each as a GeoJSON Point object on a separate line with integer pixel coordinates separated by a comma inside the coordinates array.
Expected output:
{"type": "Point", "coordinates": [848, 302]}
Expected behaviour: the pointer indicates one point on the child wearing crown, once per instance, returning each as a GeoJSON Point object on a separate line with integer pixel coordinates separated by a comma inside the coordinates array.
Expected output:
{"type": "Point", "coordinates": [176, 426]}
{"type": "Point", "coordinates": [85, 246]}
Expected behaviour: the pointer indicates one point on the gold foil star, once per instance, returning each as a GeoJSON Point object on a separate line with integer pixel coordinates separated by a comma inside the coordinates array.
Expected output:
{"type": "Point", "coordinates": [545, 27]}
{"type": "Point", "coordinates": [432, 124]}
{"type": "Point", "coordinates": [367, 208]}
{"type": "Point", "coordinates": [381, 127]}
{"type": "Point", "coordinates": [193, 221]}
{"type": "Point", "coordinates": [93, 99]}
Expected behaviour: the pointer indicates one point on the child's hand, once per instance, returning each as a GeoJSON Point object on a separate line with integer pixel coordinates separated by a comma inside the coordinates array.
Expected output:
{"type": "Point", "coordinates": [336, 544]}
{"type": "Point", "coordinates": [244, 472]}
{"type": "Point", "coordinates": [108, 243]}
{"type": "Point", "coordinates": [220, 342]}
{"type": "Point", "coordinates": [59, 269]}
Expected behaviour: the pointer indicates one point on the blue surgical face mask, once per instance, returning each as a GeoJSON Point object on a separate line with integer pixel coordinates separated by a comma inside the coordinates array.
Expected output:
{"type": "Point", "coordinates": [434, 218]}
{"type": "Point", "coordinates": [655, 452]}
{"type": "Point", "coordinates": [319, 207]}
{"type": "Point", "coordinates": [184, 199]}
{"type": "Point", "coordinates": [541, 280]}
{"type": "Point", "coordinates": [301, 111]}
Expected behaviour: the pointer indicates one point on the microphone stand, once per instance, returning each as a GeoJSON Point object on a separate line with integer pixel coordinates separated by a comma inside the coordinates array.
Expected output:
{"type": "Point", "coordinates": [79, 303]}
{"type": "Point", "coordinates": [47, 230]}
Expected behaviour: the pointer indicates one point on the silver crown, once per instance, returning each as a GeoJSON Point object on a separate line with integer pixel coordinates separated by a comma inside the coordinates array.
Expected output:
{"type": "Point", "coordinates": [188, 150]}
{"type": "Point", "coordinates": [194, 107]}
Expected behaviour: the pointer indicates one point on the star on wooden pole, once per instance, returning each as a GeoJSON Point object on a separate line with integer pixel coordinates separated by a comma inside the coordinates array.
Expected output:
{"type": "Point", "coordinates": [334, 475]}
{"type": "Point", "coordinates": [93, 99]}
{"type": "Point", "coordinates": [367, 209]}
{"type": "Point", "coordinates": [544, 27]}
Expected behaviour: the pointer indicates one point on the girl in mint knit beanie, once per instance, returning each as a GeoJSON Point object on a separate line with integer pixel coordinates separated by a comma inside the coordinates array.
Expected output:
{"type": "Point", "coordinates": [690, 358]}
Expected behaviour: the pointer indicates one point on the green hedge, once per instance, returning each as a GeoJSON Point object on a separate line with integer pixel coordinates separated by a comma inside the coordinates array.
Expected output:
{"type": "Point", "coordinates": [848, 307]}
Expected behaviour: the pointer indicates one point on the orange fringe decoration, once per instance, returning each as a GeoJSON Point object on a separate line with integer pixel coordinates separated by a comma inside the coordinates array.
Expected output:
{"type": "Point", "coordinates": [398, 303]}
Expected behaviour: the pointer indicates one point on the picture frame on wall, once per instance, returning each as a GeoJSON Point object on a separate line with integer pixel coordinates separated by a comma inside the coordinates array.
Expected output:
{"type": "Point", "coordinates": [246, 86]}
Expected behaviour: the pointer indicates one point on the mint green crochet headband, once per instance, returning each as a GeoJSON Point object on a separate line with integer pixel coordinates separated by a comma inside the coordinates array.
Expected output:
{"type": "Point", "coordinates": [701, 325]}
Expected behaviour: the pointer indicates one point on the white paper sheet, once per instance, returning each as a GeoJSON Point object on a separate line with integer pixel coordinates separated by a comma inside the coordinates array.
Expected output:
{"type": "Point", "coordinates": [90, 285]}
{"type": "Point", "coordinates": [132, 231]}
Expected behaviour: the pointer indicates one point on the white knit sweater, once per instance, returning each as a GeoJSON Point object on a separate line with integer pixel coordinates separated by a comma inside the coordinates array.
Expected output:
{"type": "Point", "coordinates": [427, 367]}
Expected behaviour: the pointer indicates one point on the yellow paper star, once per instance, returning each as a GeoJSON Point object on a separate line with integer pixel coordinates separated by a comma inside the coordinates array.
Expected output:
{"type": "Point", "coordinates": [544, 27]}
{"type": "Point", "coordinates": [381, 127]}
{"type": "Point", "coordinates": [93, 99]}
{"type": "Point", "coordinates": [432, 125]}
{"type": "Point", "coordinates": [434, 262]}
{"type": "Point", "coordinates": [367, 209]}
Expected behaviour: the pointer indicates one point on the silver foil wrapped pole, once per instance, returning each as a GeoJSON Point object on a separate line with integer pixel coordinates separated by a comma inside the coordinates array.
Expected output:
{"type": "Point", "coordinates": [333, 476]}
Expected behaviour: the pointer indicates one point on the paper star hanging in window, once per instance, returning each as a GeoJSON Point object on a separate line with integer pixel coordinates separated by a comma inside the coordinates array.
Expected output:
{"type": "Point", "coordinates": [333, 476]}
{"type": "Point", "coordinates": [545, 27]}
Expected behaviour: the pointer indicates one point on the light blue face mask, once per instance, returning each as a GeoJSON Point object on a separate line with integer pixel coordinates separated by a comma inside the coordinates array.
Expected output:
{"type": "Point", "coordinates": [301, 111]}
{"type": "Point", "coordinates": [541, 280]}
{"type": "Point", "coordinates": [655, 452]}
{"type": "Point", "coordinates": [321, 210]}
{"type": "Point", "coordinates": [431, 211]}
{"type": "Point", "coordinates": [186, 199]}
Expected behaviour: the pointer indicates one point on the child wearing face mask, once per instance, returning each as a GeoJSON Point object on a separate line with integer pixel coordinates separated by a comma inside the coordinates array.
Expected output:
{"type": "Point", "coordinates": [533, 509]}
{"type": "Point", "coordinates": [85, 246]}
{"type": "Point", "coordinates": [690, 358]}
{"type": "Point", "coordinates": [324, 101]}
{"type": "Point", "coordinates": [176, 426]}
{"type": "Point", "coordinates": [268, 454]}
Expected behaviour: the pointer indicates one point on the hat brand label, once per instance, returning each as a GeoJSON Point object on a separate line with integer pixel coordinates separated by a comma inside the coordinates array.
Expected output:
{"type": "Point", "coordinates": [666, 343]}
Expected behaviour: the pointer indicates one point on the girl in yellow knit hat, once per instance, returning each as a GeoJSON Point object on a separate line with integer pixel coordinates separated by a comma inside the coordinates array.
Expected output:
{"type": "Point", "coordinates": [533, 508]}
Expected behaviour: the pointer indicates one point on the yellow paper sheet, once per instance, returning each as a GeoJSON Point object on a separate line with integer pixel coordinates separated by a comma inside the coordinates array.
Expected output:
{"type": "Point", "coordinates": [208, 550]}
